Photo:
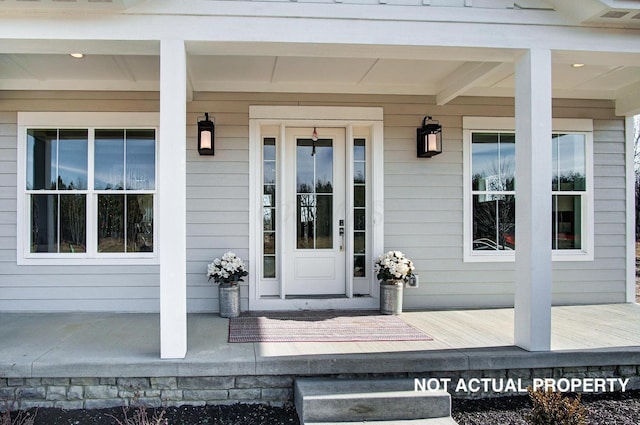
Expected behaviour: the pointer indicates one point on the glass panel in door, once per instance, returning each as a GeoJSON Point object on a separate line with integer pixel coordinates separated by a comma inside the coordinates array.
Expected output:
{"type": "Point", "coordinates": [314, 194]}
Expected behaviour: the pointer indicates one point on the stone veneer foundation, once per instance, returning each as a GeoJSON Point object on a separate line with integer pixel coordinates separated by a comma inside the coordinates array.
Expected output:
{"type": "Point", "coordinates": [96, 393]}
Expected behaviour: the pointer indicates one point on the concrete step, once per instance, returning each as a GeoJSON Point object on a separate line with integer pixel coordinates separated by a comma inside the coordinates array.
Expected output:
{"type": "Point", "coordinates": [326, 401]}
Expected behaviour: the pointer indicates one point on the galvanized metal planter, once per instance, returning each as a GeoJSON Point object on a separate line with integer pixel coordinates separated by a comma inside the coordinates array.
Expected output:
{"type": "Point", "coordinates": [391, 297]}
{"type": "Point", "coordinates": [229, 297]}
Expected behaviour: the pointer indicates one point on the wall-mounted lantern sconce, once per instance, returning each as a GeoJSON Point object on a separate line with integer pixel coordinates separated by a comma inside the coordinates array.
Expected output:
{"type": "Point", "coordinates": [206, 135]}
{"type": "Point", "coordinates": [314, 139]}
{"type": "Point", "coordinates": [429, 138]}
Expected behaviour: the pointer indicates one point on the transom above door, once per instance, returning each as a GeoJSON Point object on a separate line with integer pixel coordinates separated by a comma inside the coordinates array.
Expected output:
{"type": "Point", "coordinates": [317, 205]}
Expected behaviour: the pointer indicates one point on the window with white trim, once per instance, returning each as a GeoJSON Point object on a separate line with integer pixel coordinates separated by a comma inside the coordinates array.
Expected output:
{"type": "Point", "coordinates": [493, 163]}
{"type": "Point", "coordinates": [269, 207]}
{"type": "Point", "coordinates": [89, 192]}
{"type": "Point", "coordinates": [490, 190]}
{"type": "Point", "coordinates": [568, 189]}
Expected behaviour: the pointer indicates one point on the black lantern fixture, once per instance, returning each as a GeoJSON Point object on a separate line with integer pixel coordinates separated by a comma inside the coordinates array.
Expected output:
{"type": "Point", "coordinates": [206, 135]}
{"type": "Point", "coordinates": [429, 138]}
{"type": "Point", "coordinates": [314, 139]}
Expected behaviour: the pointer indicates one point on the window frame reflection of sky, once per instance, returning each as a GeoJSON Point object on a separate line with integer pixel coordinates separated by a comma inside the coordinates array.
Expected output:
{"type": "Point", "coordinates": [145, 162]}
{"type": "Point", "coordinates": [109, 175]}
{"type": "Point", "coordinates": [323, 166]}
{"type": "Point", "coordinates": [73, 163]}
{"type": "Point", "coordinates": [142, 176]}
{"type": "Point", "coordinates": [494, 161]}
{"type": "Point", "coordinates": [68, 159]}
{"type": "Point", "coordinates": [309, 167]}
{"type": "Point", "coordinates": [567, 158]}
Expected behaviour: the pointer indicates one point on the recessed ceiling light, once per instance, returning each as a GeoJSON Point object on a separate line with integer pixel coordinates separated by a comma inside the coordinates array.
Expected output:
{"type": "Point", "coordinates": [577, 65]}
{"type": "Point", "coordinates": [76, 55]}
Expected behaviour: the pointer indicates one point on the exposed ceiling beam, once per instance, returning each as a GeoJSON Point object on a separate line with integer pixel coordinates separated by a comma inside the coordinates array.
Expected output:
{"type": "Point", "coordinates": [306, 87]}
{"type": "Point", "coordinates": [95, 47]}
{"type": "Point", "coordinates": [91, 85]}
{"type": "Point", "coordinates": [462, 79]}
{"type": "Point", "coordinates": [600, 58]}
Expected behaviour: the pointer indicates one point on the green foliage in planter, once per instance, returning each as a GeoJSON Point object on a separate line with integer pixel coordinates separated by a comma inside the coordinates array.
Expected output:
{"type": "Point", "coordinates": [551, 408]}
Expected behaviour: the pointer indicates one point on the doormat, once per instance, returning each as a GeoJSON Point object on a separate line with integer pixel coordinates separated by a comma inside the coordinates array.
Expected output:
{"type": "Point", "coordinates": [320, 326]}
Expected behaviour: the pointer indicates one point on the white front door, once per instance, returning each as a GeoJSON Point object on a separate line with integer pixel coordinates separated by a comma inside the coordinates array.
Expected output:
{"type": "Point", "coordinates": [314, 213]}
{"type": "Point", "coordinates": [316, 217]}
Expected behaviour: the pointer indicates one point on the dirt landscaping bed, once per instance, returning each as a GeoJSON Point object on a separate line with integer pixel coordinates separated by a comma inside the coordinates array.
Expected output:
{"type": "Point", "coordinates": [603, 409]}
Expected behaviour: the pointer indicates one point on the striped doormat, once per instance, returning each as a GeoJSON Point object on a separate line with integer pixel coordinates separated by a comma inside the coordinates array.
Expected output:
{"type": "Point", "coordinates": [321, 326]}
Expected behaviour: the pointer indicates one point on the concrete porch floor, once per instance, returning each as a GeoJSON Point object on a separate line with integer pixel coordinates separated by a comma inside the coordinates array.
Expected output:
{"type": "Point", "coordinates": [127, 345]}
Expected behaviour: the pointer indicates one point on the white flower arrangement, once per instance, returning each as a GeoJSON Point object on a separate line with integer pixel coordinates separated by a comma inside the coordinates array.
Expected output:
{"type": "Point", "coordinates": [393, 266]}
{"type": "Point", "coordinates": [227, 270]}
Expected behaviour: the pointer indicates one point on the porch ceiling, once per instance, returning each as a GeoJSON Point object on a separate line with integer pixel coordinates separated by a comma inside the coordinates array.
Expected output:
{"type": "Point", "coordinates": [442, 72]}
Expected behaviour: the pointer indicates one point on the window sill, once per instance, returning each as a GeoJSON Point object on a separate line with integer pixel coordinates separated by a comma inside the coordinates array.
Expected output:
{"type": "Point", "coordinates": [573, 256]}
{"type": "Point", "coordinates": [511, 257]}
{"type": "Point", "coordinates": [66, 260]}
{"type": "Point", "coordinates": [494, 257]}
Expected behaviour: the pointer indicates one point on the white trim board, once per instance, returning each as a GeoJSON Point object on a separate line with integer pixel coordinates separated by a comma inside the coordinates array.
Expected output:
{"type": "Point", "coordinates": [91, 119]}
{"type": "Point", "coordinates": [333, 113]}
{"type": "Point", "coordinates": [79, 120]}
{"type": "Point", "coordinates": [577, 125]}
{"type": "Point", "coordinates": [509, 124]}
{"type": "Point", "coordinates": [630, 178]}
{"type": "Point", "coordinates": [311, 116]}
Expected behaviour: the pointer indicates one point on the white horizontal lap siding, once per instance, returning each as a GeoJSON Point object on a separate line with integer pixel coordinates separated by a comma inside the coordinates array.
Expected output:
{"type": "Point", "coordinates": [423, 210]}
{"type": "Point", "coordinates": [8, 131]}
{"type": "Point", "coordinates": [423, 206]}
{"type": "Point", "coordinates": [61, 288]}
{"type": "Point", "coordinates": [603, 280]}
{"type": "Point", "coordinates": [217, 197]}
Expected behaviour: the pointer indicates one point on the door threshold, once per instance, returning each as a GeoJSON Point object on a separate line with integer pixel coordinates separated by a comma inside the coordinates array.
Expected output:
{"type": "Point", "coordinates": [316, 297]}
{"type": "Point", "coordinates": [315, 302]}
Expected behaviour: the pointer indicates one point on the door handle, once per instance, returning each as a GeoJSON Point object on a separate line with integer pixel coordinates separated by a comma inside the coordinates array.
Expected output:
{"type": "Point", "coordinates": [341, 233]}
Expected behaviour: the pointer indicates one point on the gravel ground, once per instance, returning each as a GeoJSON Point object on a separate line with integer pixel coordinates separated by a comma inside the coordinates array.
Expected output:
{"type": "Point", "coordinates": [606, 409]}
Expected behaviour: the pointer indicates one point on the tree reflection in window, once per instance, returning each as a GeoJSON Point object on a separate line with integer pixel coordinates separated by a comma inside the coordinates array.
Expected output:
{"type": "Point", "coordinates": [314, 197]}
{"type": "Point", "coordinates": [493, 191]}
{"type": "Point", "coordinates": [56, 184]}
{"type": "Point", "coordinates": [269, 207]}
{"type": "Point", "coordinates": [124, 174]}
{"type": "Point", "coordinates": [568, 190]}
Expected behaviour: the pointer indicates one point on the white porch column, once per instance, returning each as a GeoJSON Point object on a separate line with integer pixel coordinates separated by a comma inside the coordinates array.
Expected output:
{"type": "Point", "coordinates": [172, 199]}
{"type": "Point", "coordinates": [533, 201]}
{"type": "Point", "coordinates": [631, 205]}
